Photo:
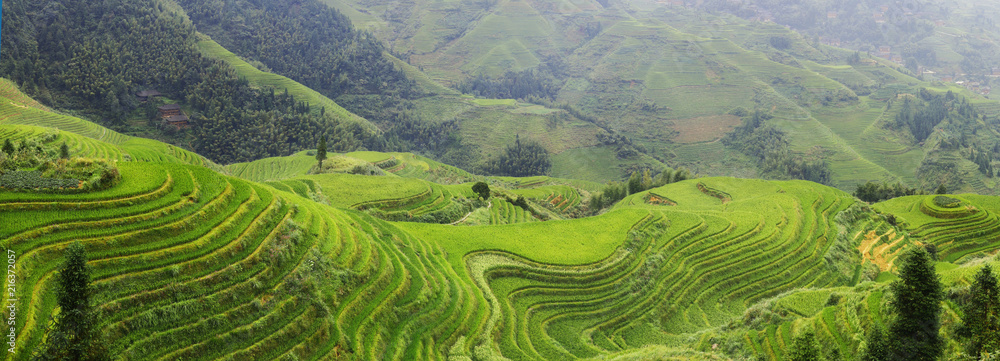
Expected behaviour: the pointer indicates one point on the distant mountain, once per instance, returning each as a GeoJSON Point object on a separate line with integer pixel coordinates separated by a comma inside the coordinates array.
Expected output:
{"type": "Point", "coordinates": [674, 80]}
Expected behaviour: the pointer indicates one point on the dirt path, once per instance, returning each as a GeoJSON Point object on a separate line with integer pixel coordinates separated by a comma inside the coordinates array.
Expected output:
{"type": "Point", "coordinates": [488, 206]}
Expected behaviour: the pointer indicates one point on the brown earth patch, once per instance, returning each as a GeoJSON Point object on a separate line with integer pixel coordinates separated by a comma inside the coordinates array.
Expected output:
{"type": "Point", "coordinates": [704, 129]}
{"type": "Point", "coordinates": [876, 248]}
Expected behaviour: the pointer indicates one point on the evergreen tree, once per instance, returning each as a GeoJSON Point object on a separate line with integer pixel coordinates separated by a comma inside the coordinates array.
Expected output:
{"type": "Point", "coordinates": [805, 347]}
{"type": "Point", "coordinates": [876, 346]}
{"type": "Point", "coordinates": [64, 151]}
{"type": "Point", "coordinates": [482, 189]}
{"type": "Point", "coordinates": [635, 183]}
{"type": "Point", "coordinates": [981, 322]}
{"type": "Point", "coordinates": [941, 189]}
{"type": "Point", "coordinates": [73, 336]}
{"type": "Point", "coordinates": [321, 154]}
{"type": "Point", "coordinates": [917, 305]}
{"type": "Point", "coordinates": [647, 179]}
{"type": "Point", "coordinates": [8, 147]}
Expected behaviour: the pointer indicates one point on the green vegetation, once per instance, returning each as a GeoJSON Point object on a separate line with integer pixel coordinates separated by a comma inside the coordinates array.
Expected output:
{"type": "Point", "coordinates": [520, 160]}
{"type": "Point", "coordinates": [980, 314]}
{"type": "Point", "coordinates": [307, 259]}
{"type": "Point", "coordinates": [73, 336]}
{"type": "Point", "coordinates": [390, 255]}
{"type": "Point", "coordinates": [917, 303]}
{"type": "Point", "coordinates": [90, 70]}
{"type": "Point", "coordinates": [319, 104]}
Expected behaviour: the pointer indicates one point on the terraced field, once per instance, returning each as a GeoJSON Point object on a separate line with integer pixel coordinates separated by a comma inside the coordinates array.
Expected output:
{"type": "Point", "coordinates": [191, 263]}
{"type": "Point", "coordinates": [556, 306]}
{"type": "Point", "coordinates": [560, 197]}
{"type": "Point", "coordinates": [503, 212]}
{"type": "Point", "coordinates": [970, 228]}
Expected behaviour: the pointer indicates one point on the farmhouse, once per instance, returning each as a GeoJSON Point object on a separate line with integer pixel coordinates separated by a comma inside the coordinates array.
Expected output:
{"type": "Point", "coordinates": [169, 110]}
{"type": "Point", "coordinates": [179, 121]}
{"type": "Point", "coordinates": [146, 94]}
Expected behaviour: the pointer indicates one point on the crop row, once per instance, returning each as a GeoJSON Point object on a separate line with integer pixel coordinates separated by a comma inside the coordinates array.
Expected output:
{"type": "Point", "coordinates": [680, 273]}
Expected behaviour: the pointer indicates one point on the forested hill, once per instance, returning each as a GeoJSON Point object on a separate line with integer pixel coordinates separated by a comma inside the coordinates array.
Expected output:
{"type": "Point", "coordinates": [91, 58]}
{"type": "Point", "coordinates": [303, 40]}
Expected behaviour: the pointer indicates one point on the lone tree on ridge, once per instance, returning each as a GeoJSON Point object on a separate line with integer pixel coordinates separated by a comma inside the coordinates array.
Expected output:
{"type": "Point", "coordinates": [321, 154]}
{"type": "Point", "coordinates": [482, 189]}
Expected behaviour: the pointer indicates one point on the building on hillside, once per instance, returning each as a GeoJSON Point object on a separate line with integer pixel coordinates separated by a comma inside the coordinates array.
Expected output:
{"type": "Point", "coordinates": [879, 18]}
{"type": "Point", "coordinates": [939, 23]}
{"type": "Point", "coordinates": [996, 72]}
{"type": "Point", "coordinates": [947, 79]}
{"type": "Point", "coordinates": [885, 52]}
{"type": "Point", "coordinates": [147, 94]}
{"type": "Point", "coordinates": [831, 14]}
{"type": "Point", "coordinates": [179, 121]}
{"type": "Point", "coordinates": [169, 110]}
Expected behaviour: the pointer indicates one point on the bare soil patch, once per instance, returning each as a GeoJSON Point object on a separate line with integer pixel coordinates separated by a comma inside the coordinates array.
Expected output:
{"type": "Point", "coordinates": [704, 129]}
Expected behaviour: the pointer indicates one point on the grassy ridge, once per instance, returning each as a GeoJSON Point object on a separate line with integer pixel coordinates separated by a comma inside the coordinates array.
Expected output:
{"type": "Point", "coordinates": [190, 263]}
{"type": "Point", "coordinates": [301, 93]}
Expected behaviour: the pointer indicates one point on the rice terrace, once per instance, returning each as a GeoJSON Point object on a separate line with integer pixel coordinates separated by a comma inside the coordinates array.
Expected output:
{"type": "Point", "coordinates": [500, 180]}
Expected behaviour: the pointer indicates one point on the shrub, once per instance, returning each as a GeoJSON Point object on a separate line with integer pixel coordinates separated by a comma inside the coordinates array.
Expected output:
{"type": "Point", "coordinates": [366, 169]}
{"type": "Point", "coordinates": [946, 202]}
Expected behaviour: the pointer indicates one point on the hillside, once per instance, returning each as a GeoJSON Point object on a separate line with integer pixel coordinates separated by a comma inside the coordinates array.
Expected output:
{"type": "Point", "coordinates": [192, 263]}
{"type": "Point", "coordinates": [671, 78]}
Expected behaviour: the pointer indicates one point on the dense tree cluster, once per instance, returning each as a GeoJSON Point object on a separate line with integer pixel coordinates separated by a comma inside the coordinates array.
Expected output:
{"type": "Point", "coordinates": [920, 119]}
{"type": "Point", "coordinates": [70, 55]}
{"type": "Point", "coordinates": [873, 192]}
{"type": "Point", "coordinates": [639, 181]}
{"type": "Point", "coordinates": [404, 129]}
{"type": "Point", "coordinates": [768, 146]}
{"type": "Point", "coordinates": [520, 160]}
{"type": "Point", "coordinates": [512, 85]}
{"type": "Point", "coordinates": [244, 123]}
{"type": "Point", "coordinates": [305, 40]}
{"type": "Point", "coordinates": [67, 53]}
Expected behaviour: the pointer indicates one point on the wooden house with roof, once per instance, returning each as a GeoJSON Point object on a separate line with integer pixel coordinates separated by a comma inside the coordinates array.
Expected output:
{"type": "Point", "coordinates": [145, 95]}
{"type": "Point", "coordinates": [169, 110]}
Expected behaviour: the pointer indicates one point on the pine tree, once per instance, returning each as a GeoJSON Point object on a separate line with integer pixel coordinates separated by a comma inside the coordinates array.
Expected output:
{"type": "Point", "coordinates": [941, 189]}
{"type": "Point", "coordinates": [981, 322]}
{"type": "Point", "coordinates": [805, 347]}
{"type": "Point", "coordinates": [64, 151]}
{"type": "Point", "coordinates": [321, 154]}
{"type": "Point", "coordinates": [917, 305]}
{"type": "Point", "coordinates": [876, 345]}
{"type": "Point", "coordinates": [8, 147]}
{"type": "Point", "coordinates": [73, 336]}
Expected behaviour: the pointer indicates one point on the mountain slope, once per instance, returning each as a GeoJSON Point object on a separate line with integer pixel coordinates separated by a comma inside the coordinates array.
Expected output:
{"type": "Point", "coordinates": [671, 77]}
{"type": "Point", "coordinates": [190, 263]}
